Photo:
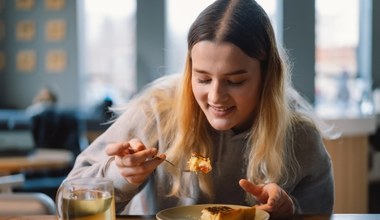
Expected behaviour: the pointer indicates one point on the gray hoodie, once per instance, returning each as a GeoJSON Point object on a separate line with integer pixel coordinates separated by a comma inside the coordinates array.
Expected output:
{"type": "Point", "coordinates": [312, 188]}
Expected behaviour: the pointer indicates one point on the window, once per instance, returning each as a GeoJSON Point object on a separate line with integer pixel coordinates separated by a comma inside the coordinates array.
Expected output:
{"type": "Point", "coordinates": [337, 82]}
{"type": "Point", "coordinates": [270, 7]}
{"type": "Point", "coordinates": [108, 50]}
{"type": "Point", "coordinates": [179, 16]}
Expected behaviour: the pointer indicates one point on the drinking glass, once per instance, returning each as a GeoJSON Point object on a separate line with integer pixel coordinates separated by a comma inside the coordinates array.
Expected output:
{"type": "Point", "coordinates": [85, 199]}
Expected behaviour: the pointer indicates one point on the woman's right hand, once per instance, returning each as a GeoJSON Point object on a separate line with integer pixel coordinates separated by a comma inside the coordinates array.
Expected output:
{"type": "Point", "coordinates": [134, 160]}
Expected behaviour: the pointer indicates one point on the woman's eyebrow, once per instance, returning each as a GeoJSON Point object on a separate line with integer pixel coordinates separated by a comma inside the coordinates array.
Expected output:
{"type": "Point", "coordinates": [200, 71]}
{"type": "Point", "coordinates": [235, 72]}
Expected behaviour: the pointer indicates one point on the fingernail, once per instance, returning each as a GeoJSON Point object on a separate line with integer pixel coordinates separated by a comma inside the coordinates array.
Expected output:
{"type": "Point", "coordinates": [130, 150]}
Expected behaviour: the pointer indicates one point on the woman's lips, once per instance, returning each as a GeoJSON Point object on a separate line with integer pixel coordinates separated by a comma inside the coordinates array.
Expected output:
{"type": "Point", "coordinates": [220, 111]}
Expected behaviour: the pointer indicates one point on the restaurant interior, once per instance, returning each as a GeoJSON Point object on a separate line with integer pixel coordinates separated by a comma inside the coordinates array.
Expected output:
{"type": "Point", "coordinates": [65, 63]}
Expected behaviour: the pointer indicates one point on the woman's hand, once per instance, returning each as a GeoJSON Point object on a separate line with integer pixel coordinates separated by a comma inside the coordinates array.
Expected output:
{"type": "Point", "coordinates": [134, 160]}
{"type": "Point", "coordinates": [272, 197]}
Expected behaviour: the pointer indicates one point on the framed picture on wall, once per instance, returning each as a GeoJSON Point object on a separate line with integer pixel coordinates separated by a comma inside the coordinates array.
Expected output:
{"type": "Point", "coordinates": [55, 61]}
{"type": "Point", "coordinates": [2, 5]}
{"type": "Point", "coordinates": [25, 30]}
{"type": "Point", "coordinates": [54, 4]}
{"type": "Point", "coordinates": [24, 4]}
{"type": "Point", "coordinates": [55, 30]}
{"type": "Point", "coordinates": [2, 30]}
{"type": "Point", "coordinates": [2, 61]}
{"type": "Point", "coordinates": [26, 61]}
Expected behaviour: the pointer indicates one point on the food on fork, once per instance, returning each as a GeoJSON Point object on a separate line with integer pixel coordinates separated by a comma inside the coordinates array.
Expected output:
{"type": "Point", "coordinates": [199, 163]}
{"type": "Point", "coordinates": [228, 213]}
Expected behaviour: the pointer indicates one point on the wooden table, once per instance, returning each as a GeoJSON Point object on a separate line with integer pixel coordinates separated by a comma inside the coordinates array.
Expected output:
{"type": "Point", "coordinates": [301, 217]}
{"type": "Point", "coordinates": [38, 160]}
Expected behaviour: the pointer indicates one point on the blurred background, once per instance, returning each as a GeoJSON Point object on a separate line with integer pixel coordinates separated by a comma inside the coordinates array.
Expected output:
{"type": "Point", "coordinates": [93, 54]}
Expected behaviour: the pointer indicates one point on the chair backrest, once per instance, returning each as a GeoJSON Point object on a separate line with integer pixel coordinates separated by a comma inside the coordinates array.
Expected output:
{"type": "Point", "coordinates": [26, 204]}
{"type": "Point", "coordinates": [57, 128]}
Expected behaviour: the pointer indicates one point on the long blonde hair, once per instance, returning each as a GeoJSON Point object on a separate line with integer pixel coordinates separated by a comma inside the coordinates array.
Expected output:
{"type": "Point", "coordinates": [183, 127]}
{"type": "Point", "coordinates": [245, 24]}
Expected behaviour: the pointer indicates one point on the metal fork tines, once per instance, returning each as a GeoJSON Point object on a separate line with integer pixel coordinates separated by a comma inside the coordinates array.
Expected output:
{"type": "Point", "coordinates": [182, 170]}
{"type": "Point", "coordinates": [172, 164]}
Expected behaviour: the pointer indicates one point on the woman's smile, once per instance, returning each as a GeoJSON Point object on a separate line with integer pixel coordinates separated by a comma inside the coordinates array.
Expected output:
{"type": "Point", "coordinates": [220, 111]}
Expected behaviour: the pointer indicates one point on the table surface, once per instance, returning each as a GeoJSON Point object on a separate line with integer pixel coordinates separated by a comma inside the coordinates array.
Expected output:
{"type": "Point", "coordinates": [40, 159]}
{"type": "Point", "coordinates": [301, 217]}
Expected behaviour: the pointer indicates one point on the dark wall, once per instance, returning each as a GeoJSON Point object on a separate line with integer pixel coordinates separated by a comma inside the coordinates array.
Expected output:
{"type": "Point", "coordinates": [376, 43]}
{"type": "Point", "coordinates": [150, 40]}
{"type": "Point", "coordinates": [17, 86]}
{"type": "Point", "coordinates": [301, 47]}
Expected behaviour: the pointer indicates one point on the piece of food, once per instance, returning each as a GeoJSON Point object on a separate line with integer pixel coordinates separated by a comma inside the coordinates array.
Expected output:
{"type": "Point", "coordinates": [199, 163]}
{"type": "Point", "coordinates": [228, 213]}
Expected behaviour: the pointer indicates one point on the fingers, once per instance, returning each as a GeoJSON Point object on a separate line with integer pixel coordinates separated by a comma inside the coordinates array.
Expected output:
{"type": "Point", "coordinates": [134, 161]}
{"type": "Point", "coordinates": [282, 205]}
{"type": "Point", "coordinates": [283, 209]}
{"type": "Point", "coordinates": [137, 172]}
{"type": "Point", "coordinates": [274, 194]}
{"type": "Point", "coordinates": [272, 203]}
{"type": "Point", "coordinates": [138, 168]}
{"type": "Point", "coordinates": [114, 149]}
{"type": "Point", "coordinates": [137, 158]}
{"type": "Point", "coordinates": [136, 145]}
{"type": "Point", "coordinates": [254, 189]}
{"type": "Point", "coordinates": [123, 148]}
{"type": "Point", "coordinates": [273, 198]}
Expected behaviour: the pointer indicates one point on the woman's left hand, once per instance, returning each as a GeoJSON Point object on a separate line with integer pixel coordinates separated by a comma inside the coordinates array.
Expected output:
{"type": "Point", "coordinates": [272, 197]}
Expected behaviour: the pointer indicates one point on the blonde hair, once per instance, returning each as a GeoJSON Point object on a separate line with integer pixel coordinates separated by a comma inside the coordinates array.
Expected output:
{"type": "Point", "coordinates": [245, 24]}
{"type": "Point", "coordinates": [183, 127]}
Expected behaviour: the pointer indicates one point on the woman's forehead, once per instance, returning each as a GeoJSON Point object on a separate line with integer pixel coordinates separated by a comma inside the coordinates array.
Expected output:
{"type": "Point", "coordinates": [207, 55]}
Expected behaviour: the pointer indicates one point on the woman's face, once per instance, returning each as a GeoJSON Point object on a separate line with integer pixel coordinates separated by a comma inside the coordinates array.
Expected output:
{"type": "Point", "coordinates": [225, 83]}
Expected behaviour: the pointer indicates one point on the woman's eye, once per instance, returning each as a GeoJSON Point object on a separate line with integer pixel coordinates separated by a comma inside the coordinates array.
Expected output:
{"type": "Point", "coordinates": [204, 81]}
{"type": "Point", "coordinates": [235, 82]}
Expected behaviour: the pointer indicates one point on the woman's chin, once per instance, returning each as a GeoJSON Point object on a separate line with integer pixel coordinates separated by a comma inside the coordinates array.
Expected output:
{"type": "Point", "coordinates": [221, 126]}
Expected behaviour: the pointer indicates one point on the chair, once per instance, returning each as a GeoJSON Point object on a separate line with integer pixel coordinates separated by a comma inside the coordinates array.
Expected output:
{"type": "Point", "coordinates": [58, 128]}
{"type": "Point", "coordinates": [31, 203]}
{"type": "Point", "coordinates": [10, 181]}
{"type": "Point", "coordinates": [55, 129]}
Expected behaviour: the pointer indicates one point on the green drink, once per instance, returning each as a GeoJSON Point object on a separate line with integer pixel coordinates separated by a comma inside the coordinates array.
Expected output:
{"type": "Point", "coordinates": [85, 201]}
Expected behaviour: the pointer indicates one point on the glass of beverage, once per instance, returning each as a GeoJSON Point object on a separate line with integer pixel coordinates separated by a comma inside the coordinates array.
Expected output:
{"type": "Point", "coordinates": [86, 198]}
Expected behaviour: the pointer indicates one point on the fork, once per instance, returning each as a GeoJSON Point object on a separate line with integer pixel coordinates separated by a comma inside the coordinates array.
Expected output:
{"type": "Point", "coordinates": [172, 164]}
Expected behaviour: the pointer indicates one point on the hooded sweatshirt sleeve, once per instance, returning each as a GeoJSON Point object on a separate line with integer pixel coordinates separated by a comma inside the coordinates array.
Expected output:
{"type": "Point", "coordinates": [140, 118]}
{"type": "Point", "coordinates": [314, 193]}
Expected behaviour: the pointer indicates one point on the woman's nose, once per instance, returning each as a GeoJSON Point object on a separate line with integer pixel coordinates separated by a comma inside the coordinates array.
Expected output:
{"type": "Point", "coordinates": [217, 92]}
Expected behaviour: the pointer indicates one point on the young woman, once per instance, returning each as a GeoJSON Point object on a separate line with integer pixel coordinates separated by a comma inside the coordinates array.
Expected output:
{"type": "Point", "coordinates": [234, 104]}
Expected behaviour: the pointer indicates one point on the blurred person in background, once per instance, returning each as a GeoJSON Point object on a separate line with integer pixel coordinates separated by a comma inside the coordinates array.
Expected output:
{"type": "Point", "coordinates": [46, 98]}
